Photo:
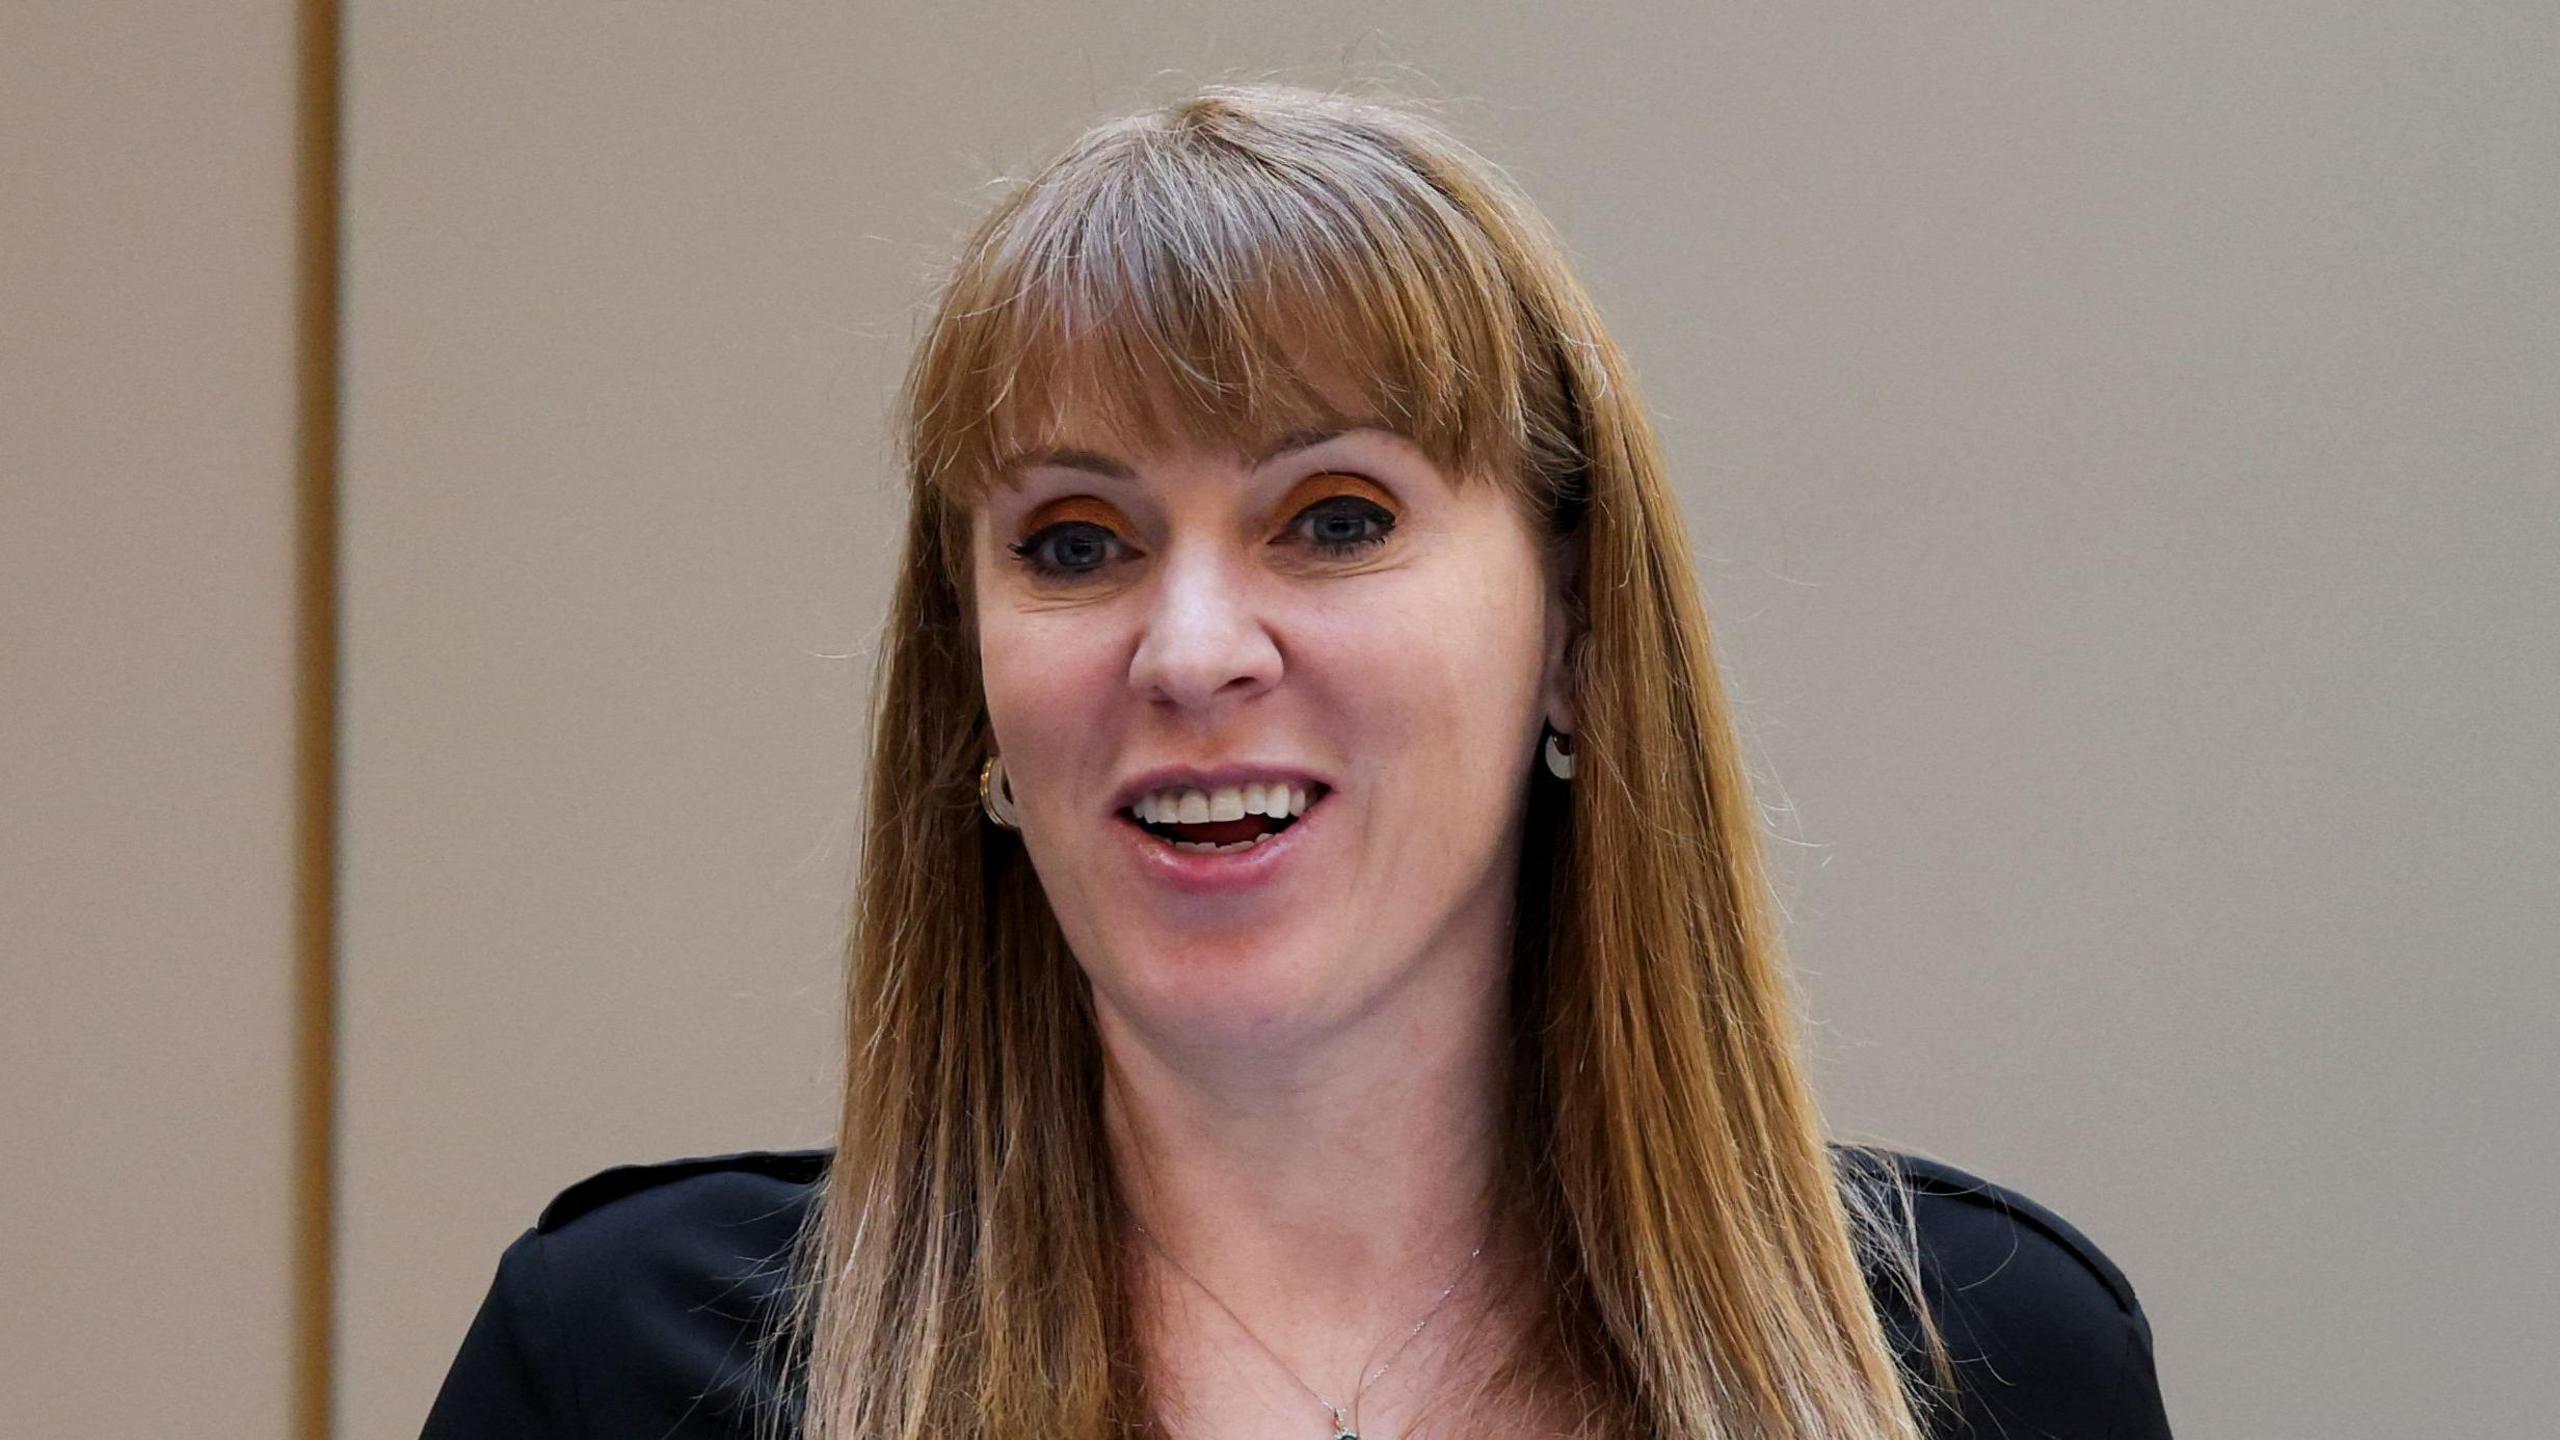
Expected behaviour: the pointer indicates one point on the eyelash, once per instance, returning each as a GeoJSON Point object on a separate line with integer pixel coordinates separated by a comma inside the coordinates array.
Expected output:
{"type": "Point", "coordinates": [1032, 552]}
{"type": "Point", "coordinates": [1356, 508]}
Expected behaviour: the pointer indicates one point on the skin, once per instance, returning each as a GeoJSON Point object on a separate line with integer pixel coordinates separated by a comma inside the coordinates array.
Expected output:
{"type": "Point", "coordinates": [1303, 1079]}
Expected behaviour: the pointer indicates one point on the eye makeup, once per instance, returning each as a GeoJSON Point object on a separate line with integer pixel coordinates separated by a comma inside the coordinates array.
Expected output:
{"type": "Point", "coordinates": [1073, 507]}
{"type": "Point", "coordinates": [1332, 498]}
{"type": "Point", "coordinates": [1080, 526]}
{"type": "Point", "coordinates": [1326, 484]}
{"type": "Point", "coordinates": [1332, 515]}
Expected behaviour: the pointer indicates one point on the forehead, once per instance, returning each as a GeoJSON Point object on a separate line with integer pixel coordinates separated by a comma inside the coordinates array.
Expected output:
{"type": "Point", "coordinates": [1088, 413]}
{"type": "Point", "coordinates": [1167, 290]}
{"type": "Point", "coordinates": [1042, 376]}
{"type": "Point", "coordinates": [1120, 458]}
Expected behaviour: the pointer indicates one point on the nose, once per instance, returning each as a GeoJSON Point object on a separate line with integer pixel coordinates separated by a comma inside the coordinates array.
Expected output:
{"type": "Point", "coordinates": [1205, 645]}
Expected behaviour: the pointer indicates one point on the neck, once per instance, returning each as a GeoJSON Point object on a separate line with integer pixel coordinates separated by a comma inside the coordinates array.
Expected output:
{"type": "Point", "coordinates": [1338, 1161]}
{"type": "Point", "coordinates": [1326, 1191]}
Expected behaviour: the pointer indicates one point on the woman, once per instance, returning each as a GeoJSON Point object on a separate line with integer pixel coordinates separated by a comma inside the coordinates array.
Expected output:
{"type": "Point", "coordinates": [1314, 974]}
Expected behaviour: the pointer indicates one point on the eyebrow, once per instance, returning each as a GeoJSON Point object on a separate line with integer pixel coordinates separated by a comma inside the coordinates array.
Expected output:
{"type": "Point", "coordinates": [1095, 462]}
{"type": "Point", "coordinates": [1066, 459]}
{"type": "Point", "coordinates": [1308, 437]}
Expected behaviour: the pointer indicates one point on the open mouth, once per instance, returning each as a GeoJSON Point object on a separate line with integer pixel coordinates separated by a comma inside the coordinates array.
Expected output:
{"type": "Point", "coordinates": [1226, 821]}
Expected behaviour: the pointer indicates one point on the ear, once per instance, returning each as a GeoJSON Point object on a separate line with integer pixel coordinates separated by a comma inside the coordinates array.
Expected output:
{"type": "Point", "coordinates": [1563, 629]}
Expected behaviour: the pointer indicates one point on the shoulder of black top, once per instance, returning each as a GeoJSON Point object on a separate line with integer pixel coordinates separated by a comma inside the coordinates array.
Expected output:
{"type": "Point", "coordinates": [1931, 1180]}
{"type": "Point", "coordinates": [1928, 1180]}
{"type": "Point", "coordinates": [794, 1167]}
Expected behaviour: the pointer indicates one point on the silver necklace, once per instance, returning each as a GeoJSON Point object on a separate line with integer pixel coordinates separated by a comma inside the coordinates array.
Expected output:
{"type": "Point", "coordinates": [1345, 1419]}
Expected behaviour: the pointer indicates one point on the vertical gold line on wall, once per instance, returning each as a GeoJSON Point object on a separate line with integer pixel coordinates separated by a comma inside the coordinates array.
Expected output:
{"type": "Point", "coordinates": [315, 721]}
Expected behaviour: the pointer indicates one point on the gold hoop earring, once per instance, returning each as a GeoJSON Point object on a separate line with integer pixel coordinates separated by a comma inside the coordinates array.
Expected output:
{"type": "Point", "coordinates": [995, 794]}
{"type": "Point", "coordinates": [1559, 761]}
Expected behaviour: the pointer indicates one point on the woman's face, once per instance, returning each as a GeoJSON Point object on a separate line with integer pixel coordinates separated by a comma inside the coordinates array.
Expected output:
{"type": "Point", "coordinates": [1179, 647]}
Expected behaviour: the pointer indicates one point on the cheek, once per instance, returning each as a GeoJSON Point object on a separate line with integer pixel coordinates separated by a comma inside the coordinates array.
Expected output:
{"type": "Point", "coordinates": [1009, 670]}
{"type": "Point", "coordinates": [1444, 668]}
{"type": "Point", "coordinates": [1044, 686]}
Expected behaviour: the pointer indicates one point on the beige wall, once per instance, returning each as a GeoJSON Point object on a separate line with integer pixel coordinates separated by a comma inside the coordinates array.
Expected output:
{"type": "Point", "coordinates": [2121, 442]}
{"type": "Point", "coordinates": [146, 718]}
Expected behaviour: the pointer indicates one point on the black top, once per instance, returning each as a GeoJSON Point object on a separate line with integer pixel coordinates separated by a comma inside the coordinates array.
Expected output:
{"type": "Point", "coordinates": [629, 1311]}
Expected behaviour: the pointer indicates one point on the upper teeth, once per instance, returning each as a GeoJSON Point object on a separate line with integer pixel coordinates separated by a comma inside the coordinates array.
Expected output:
{"type": "Point", "coordinates": [1278, 799]}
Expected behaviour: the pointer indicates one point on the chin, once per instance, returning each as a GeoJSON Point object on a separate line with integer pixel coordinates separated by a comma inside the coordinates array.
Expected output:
{"type": "Point", "coordinates": [1230, 982]}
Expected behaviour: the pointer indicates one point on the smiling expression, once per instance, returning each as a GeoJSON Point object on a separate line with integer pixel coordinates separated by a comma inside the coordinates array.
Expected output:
{"type": "Point", "coordinates": [1329, 644]}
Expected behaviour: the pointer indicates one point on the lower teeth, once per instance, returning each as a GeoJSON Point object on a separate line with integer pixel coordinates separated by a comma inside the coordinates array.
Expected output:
{"type": "Point", "coordinates": [1205, 848]}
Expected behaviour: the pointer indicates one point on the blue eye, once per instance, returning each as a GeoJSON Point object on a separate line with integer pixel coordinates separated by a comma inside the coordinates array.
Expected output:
{"type": "Point", "coordinates": [1341, 526]}
{"type": "Point", "coordinates": [1068, 550]}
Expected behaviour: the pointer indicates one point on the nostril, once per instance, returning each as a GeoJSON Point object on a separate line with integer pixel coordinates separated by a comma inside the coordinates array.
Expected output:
{"type": "Point", "coordinates": [1205, 654]}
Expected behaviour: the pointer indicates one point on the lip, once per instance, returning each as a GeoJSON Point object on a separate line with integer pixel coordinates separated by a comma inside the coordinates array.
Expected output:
{"type": "Point", "coordinates": [1198, 872]}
